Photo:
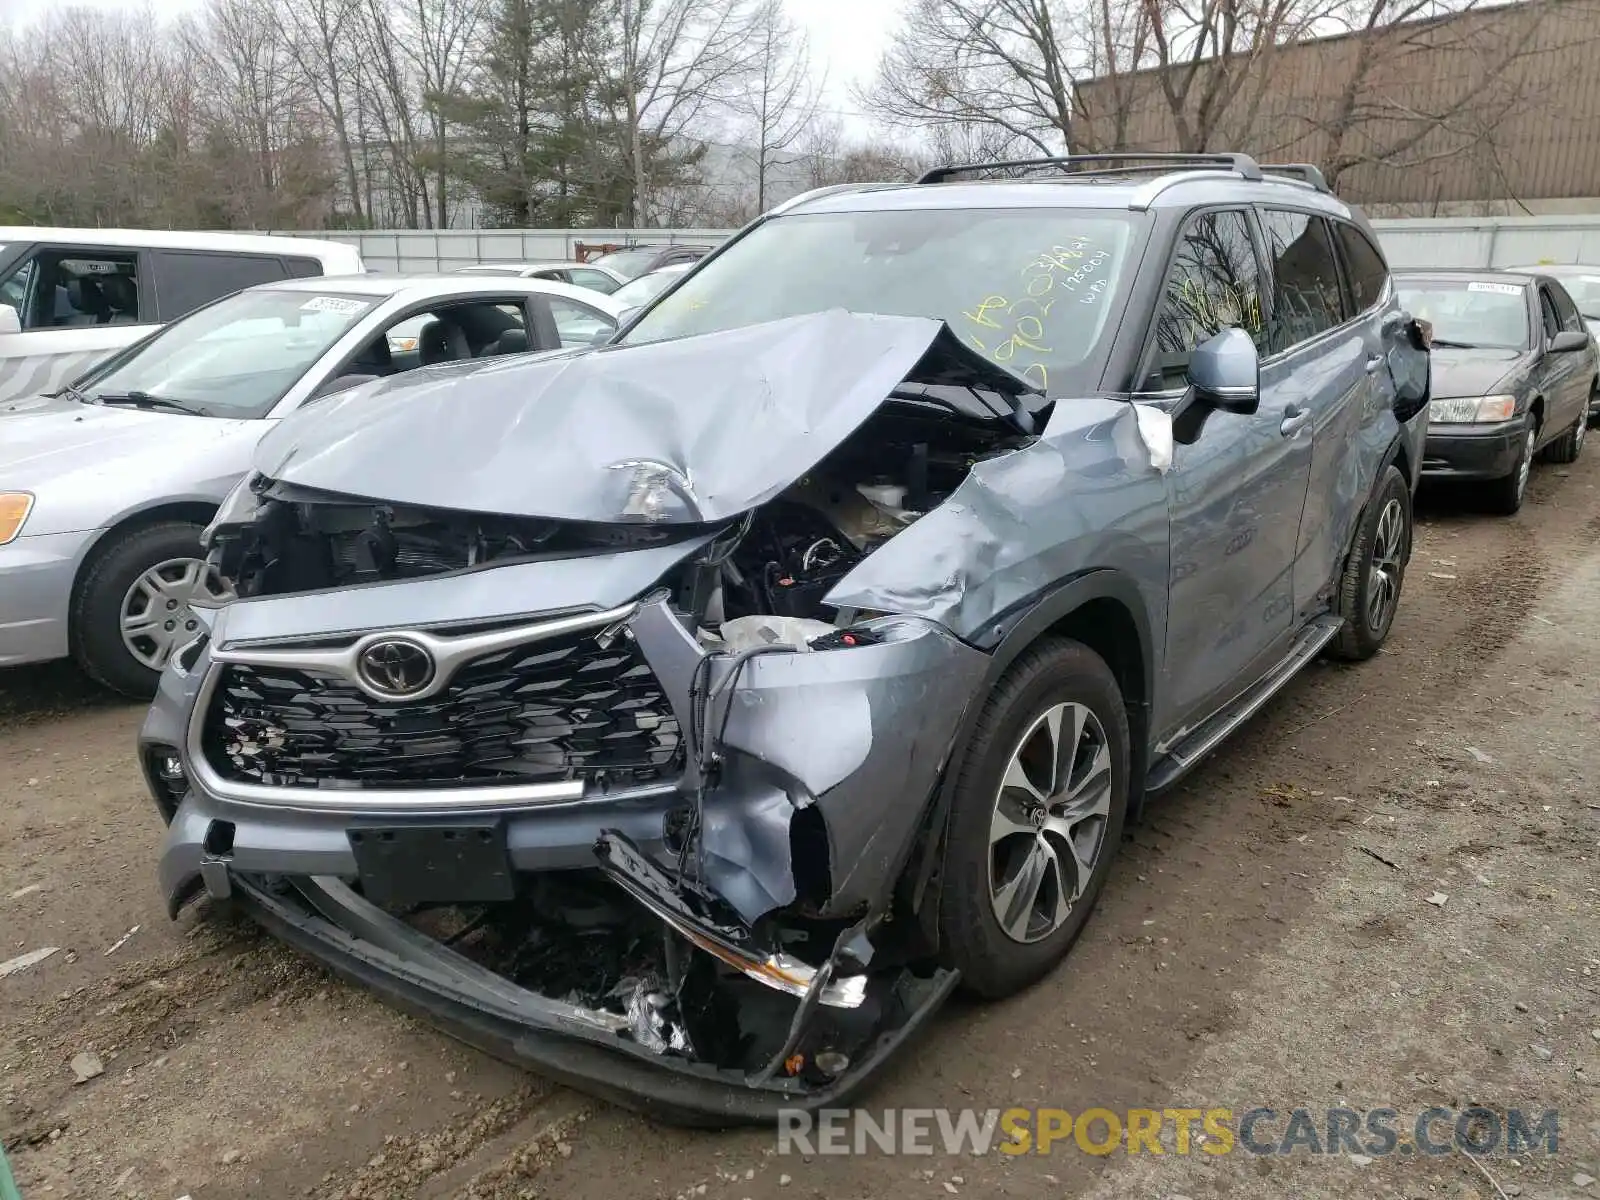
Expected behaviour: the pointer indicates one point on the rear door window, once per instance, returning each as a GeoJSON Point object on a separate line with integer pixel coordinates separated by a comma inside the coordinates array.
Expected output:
{"type": "Point", "coordinates": [304, 268]}
{"type": "Point", "coordinates": [1363, 264]}
{"type": "Point", "coordinates": [186, 279]}
{"type": "Point", "coordinates": [1307, 298]}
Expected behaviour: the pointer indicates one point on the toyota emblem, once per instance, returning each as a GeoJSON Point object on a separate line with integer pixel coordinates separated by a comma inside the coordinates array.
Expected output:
{"type": "Point", "coordinates": [395, 668]}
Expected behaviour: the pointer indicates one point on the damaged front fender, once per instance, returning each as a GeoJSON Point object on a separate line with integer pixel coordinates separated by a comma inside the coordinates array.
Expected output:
{"type": "Point", "coordinates": [861, 734]}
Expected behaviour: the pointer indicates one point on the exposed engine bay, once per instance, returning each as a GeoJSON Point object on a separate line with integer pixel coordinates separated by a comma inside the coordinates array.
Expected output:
{"type": "Point", "coordinates": [780, 560]}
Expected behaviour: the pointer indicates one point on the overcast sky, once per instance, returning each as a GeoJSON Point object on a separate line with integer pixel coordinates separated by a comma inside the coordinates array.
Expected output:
{"type": "Point", "coordinates": [846, 35]}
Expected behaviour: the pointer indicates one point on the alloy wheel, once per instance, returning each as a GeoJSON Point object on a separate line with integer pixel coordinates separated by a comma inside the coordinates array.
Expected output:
{"type": "Point", "coordinates": [1388, 548]}
{"type": "Point", "coordinates": [156, 615]}
{"type": "Point", "coordinates": [1049, 823]}
{"type": "Point", "coordinates": [1581, 432]}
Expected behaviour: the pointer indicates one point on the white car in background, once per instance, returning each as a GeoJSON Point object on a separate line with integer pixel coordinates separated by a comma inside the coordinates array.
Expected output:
{"type": "Point", "coordinates": [106, 486]}
{"type": "Point", "coordinates": [577, 326]}
{"type": "Point", "coordinates": [69, 297]}
{"type": "Point", "coordinates": [636, 293]}
{"type": "Point", "coordinates": [585, 275]}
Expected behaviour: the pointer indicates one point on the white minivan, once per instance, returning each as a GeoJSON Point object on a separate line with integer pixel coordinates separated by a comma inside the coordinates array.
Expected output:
{"type": "Point", "coordinates": [69, 297]}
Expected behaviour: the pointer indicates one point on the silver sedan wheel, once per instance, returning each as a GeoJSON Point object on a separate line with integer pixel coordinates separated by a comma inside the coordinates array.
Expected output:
{"type": "Point", "coordinates": [156, 615]}
{"type": "Point", "coordinates": [1049, 824]}
{"type": "Point", "coordinates": [1525, 467]}
{"type": "Point", "coordinates": [1582, 430]}
{"type": "Point", "coordinates": [1388, 546]}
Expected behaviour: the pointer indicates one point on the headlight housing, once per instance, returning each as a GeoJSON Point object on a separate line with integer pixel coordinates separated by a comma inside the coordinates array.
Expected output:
{"type": "Point", "coordinates": [1472, 410]}
{"type": "Point", "coordinates": [236, 509]}
{"type": "Point", "coordinates": [14, 510]}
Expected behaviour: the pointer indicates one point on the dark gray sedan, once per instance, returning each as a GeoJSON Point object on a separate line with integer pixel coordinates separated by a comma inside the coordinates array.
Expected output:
{"type": "Point", "coordinates": [1514, 373]}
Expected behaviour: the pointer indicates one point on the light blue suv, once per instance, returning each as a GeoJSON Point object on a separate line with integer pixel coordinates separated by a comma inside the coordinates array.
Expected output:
{"type": "Point", "coordinates": [690, 719]}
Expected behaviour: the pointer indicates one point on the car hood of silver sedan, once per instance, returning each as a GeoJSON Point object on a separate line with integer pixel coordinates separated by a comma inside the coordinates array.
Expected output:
{"type": "Point", "coordinates": [45, 441]}
{"type": "Point", "coordinates": [691, 430]}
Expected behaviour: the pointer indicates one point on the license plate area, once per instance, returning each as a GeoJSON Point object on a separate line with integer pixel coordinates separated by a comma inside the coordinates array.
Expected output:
{"type": "Point", "coordinates": [455, 862]}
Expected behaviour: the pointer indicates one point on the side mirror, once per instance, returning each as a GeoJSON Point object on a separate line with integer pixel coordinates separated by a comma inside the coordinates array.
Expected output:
{"type": "Point", "coordinates": [1569, 340]}
{"type": "Point", "coordinates": [627, 315]}
{"type": "Point", "coordinates": [602, 335]}
{"type": "Point", "coordinates": [1225, 373]}
{"type": "Point", "coordinates": [342, 383]}
{"type": "Point", "coordinates": [9, 321]}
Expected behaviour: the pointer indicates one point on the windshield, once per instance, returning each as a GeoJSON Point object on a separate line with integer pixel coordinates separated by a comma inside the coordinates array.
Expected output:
{"type": "Point", "coordinates": [234, 358]}
{"type": "Point", "coordinates": [1474, 314]}
{"type": "Point", "coordinates": [647, 287]}
{"type": "Point", "coordinates": [628, 263]}
{"type": "Point", "coordinates": [1029, 288]}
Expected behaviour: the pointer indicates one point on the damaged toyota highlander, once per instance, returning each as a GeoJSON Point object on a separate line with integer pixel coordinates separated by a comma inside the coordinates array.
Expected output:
{"type": "Point", "coordinates": [687, 717]}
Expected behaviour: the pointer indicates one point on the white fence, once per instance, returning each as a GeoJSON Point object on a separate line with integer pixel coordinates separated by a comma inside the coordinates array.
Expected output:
{"type": "Point", "coordinates": [420, 251]}
{"type": "Point", "coordinates": [1430, 242]}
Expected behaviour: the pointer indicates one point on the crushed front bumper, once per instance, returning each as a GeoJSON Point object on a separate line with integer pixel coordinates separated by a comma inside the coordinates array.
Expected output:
{"type": "Point", "coordinates": [856, 738]}
{"type": "Point", "coordinates": [363, 944]}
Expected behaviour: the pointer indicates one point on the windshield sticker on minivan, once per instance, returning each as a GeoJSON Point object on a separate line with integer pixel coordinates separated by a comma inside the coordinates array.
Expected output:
{"type": "Point", "coordinates": [335, 304]}
{"type": "Point", "coordinates": [1498, 289]}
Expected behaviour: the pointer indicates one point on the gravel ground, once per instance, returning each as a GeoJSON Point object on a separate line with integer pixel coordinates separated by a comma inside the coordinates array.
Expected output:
{"type": "Point", "coordinates": [1273, 935]}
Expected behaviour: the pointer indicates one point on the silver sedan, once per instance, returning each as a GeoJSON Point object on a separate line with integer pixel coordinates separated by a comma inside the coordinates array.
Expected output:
{"type": "Point", "coordinates": [106, 485]}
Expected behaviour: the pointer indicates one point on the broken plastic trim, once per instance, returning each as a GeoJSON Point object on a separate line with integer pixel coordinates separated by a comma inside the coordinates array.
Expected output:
{"type": "Point", "coordinates": [625, 865]}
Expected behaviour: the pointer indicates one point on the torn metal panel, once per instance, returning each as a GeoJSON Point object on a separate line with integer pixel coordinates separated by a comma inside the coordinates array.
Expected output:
{"type": "Point", "coordinates": [864, 730]}
{"type": "Point", "coordinates": [510, 590]}
{"type": "Point", "coordinates": [694, 430]}
{"type": "Point", "coordinates": [728, 942]}
{"type": "Point", "coordinates": [1086, 491]}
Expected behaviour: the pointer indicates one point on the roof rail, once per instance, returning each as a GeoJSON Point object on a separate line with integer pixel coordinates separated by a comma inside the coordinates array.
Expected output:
{"type": "Point", "coordinates": [1241, 163]}
{"type": "Point", "coordinates": [832, 189]}
{"type": "Point", "coordinates": [1302, 171]}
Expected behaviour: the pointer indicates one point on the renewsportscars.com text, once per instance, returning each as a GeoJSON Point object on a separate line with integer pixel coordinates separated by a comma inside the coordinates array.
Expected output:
{"type": "Point", "coordinates": [1373, 1132]}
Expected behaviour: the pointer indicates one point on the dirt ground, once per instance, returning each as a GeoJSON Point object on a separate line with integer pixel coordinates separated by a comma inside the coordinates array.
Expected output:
{"type": "Point", "coordinates": [1272, 936]}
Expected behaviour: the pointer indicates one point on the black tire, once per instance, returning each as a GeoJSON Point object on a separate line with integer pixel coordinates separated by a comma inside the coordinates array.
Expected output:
{"type": "Point", "coordinates": [97, 605]}
{"type": "Point", "coordinates": [1505, 495]}
{"type": "Point", "coordinates": [1053, 672]}
{"type": "Point", "coordinates": [1567, 447]}
{"type": "Point", "coordinates": [1381, 551]}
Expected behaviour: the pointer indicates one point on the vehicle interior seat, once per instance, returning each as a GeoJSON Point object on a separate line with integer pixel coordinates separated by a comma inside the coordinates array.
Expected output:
{"type": "Point", "coordinates": [442, 342]}
{"type": "Point", "coordinates": [122, 297]}
{"type": "Point", "coordinates": [512, 341]}
{"type": "Point", "coordinates": [88, 301]}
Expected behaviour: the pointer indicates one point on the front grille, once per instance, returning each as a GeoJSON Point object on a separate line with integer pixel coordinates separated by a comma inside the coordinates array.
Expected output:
{"type": "Point", "coordinates": [556, 710]}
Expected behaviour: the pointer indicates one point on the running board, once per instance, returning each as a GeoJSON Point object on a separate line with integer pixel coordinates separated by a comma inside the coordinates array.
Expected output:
{"type": "Point", "coordinates": [1205, 738]}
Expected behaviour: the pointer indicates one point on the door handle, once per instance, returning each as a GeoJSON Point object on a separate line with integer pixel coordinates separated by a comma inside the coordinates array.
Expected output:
{"type": "Point", "coordinates": [1374, 361]}
{"type": "Point", "coordinates": [1293, 418]}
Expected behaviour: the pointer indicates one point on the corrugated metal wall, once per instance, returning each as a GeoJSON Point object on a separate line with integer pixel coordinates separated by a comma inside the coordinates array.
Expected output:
{"type": "Point", "coordinates": [1437, 242]}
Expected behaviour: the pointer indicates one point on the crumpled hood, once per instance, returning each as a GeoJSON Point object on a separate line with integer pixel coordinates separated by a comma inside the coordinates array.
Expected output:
{"type": "Point", "coordinates": [43, 440]}
{"type": "Point", "coordinates": [693, 430]}
{"type": "Point", "coordinates": [1476, 372]}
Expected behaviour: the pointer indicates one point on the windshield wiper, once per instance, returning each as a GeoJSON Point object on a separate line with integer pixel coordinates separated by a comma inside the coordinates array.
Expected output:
{"type": "Point", "coordinates": [146, 400]}
{"type": "Point", "coordinates": [1449, 345]}
{"type": "Point", "coordinates": [71, 393]}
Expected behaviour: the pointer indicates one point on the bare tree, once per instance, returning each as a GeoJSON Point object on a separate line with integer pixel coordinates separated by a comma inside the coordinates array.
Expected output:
{"type": "Point", "coordinates": [676, 64]}
{"type": "Point", "coordinates": [783, 95]}
{"type": "Point", "coordinates": [320, 35]}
